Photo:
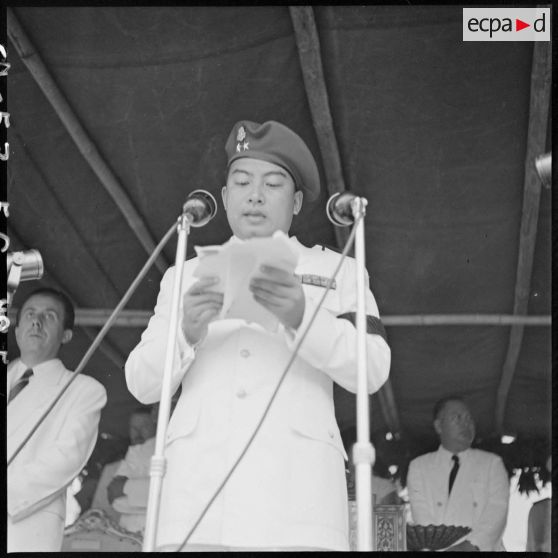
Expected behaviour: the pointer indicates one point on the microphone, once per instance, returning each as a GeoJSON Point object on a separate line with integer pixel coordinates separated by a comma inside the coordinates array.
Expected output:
{"type": "Point", "coordinates": [200, 207]}
{"type": "Point", "coordinates": [30, 262]}
{"type": "Point", "coordinates": [339, 209]}
{"type": "Point", "coordinates": [22, 266]}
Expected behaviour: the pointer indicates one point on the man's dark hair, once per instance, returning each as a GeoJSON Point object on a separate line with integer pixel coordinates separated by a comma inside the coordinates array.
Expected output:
{"type": "Point", "coordinates": [441, 403]}
{"type": "Point", "coordinates": [69, 315]}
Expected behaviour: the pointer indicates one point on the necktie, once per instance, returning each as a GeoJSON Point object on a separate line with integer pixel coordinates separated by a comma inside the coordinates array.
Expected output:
{"type": "Point", "coordinates": [453, 472]}
{"type": "Point", "coordinates": [20, 384]}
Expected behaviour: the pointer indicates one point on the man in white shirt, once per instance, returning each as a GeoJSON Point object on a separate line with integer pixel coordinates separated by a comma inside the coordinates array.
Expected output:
{"type": "Point", "coordinates": [129, 489]}
{"type": "Point", "coordinates": [289, 490]}
{"type": "Point", "coordinates": [458, 485]}
{"type": "Point", "coordinates": [55, 454]}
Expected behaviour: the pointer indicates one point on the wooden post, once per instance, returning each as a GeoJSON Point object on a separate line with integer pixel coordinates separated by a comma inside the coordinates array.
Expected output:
{"type": "Point", "coordinates": [87, 148]}
{"type": "Point", "coordinates": [536, 137]}
{"type": "Point", "coordinates": [69, 220]}
{"type": "Point", "coordinates": [308, 45]}
{"type": "Point", "coordinates": [138, 318]}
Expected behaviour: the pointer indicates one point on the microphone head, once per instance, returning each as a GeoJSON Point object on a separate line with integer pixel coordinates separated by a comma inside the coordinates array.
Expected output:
{"type": "Point", "coordinates": [31, 263]}
{"type": "Point", "coordinates": [339, 209]}
{"type": "Point", "coordinates": [201, 207]}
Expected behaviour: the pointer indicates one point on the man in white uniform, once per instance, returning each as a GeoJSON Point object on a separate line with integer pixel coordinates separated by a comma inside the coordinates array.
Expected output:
{"type": "Point", "coordinates": [61, 446]}
{"type": "Point", "coordinates": [289, 491]}
{"type": "Point", "coordinates": [458, 485]}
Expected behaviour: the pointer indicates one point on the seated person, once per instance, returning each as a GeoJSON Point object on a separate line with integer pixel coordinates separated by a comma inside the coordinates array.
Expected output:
{"type": "Point", "coordinates": [108, 452]}
{"type": "Point", "coordinates": [129, 489]}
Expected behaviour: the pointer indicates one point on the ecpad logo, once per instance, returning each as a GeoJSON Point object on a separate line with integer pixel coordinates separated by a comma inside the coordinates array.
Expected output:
{"type": "Point", "coordinates": [506, 24]}
{"type": "Point", "coordinates": [494, 24]}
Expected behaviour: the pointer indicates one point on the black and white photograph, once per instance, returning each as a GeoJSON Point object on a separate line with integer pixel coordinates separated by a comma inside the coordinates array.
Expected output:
{"type": "Point", "coordinates": [278, 277]}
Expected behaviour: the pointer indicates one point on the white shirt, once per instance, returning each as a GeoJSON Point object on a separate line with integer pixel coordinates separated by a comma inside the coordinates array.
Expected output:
{"type": "Point", "coordinates": [479, 497]}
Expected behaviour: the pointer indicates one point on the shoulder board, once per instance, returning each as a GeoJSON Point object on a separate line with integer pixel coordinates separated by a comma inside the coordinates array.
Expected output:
{"type": "Point", "coordinates": [317, 281]}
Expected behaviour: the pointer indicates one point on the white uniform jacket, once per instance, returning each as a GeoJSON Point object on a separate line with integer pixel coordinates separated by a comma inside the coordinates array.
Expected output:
{"type": "Point", "coordinates": [479, 497]}
{"type": "Point", "coordinates": [53, 456]}
{"type": "Point", "coordinates": [289, 490]}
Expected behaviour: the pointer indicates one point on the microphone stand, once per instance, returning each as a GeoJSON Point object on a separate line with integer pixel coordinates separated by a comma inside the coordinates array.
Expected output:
{"type": "Point", "coordinates": [363, 451]}
{"type": "Point", "coordinates": [158, 460]}
{"type": "Point", "coordinates": [97, 341]}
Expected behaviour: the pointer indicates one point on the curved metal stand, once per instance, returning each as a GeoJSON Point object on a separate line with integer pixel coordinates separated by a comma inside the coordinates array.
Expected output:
{"type": "Point", "coordinates": [158, 460]}
{"type": "Point", "coordinates": [97, 341]}
{"type": "Point", "coordinates": [363, 451]}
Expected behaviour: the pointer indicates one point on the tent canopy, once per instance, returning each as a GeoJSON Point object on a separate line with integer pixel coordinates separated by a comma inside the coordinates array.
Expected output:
{"type": "Point", "coordinates": [433, 131]}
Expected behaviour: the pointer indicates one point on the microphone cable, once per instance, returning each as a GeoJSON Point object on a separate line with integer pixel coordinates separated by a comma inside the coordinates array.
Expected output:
{"type": "Point", "coordinates": [348, 245]}
{"type": "Point", "coordinates": [99, 338]}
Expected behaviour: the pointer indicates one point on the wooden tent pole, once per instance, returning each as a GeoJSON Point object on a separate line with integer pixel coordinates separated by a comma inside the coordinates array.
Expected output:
{"type": "Point", "coordinates": [536, 137]}
{"type": "Point", "coordinates": [87, 148]}
{"type": "Point", "coordinates": [466, 320]}
{"type": "Point", "coordinates": [308, 45]}
{"type": "Point", "coordinates": [70, 220]}
{"type": "Point", "coordinates": [139, 318]}
{"type": "Point", "coordinates": [389, 409]}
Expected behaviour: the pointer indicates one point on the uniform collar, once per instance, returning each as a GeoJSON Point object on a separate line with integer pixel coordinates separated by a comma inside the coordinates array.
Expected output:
{"type": "Point", "coordinates": [292, 239]}
{"type": "Point", "coordinates": [297, 244]}
{"type": "Point", "coordinates": [235, 238]}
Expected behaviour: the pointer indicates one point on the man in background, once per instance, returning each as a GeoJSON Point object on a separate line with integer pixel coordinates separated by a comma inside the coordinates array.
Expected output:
{"type": "Point", "coordinates": [458, 485]}
{"type": "Point", "coordinates": [129, 489]}
{"type": "Point", "coordinates": [58, 450]}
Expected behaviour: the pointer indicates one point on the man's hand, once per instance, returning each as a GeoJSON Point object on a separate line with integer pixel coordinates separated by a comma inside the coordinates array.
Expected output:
{"type": "Point", "coordinates": [464, 546]}
{"type": "Point", "coordinates": [201, 305]}
{"type": "Point", "coordinates": [115, 488]}
{"type": "Point", "coordinates": [281, 293]}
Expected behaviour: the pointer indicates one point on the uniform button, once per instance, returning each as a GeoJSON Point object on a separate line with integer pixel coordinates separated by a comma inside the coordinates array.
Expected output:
{"type": "Point", "coordinates": [474, 504]}
{"type": "Point", "coordinates": [241, 393]}
{"type": "Point", "coordinates": [245, 353]}
{"type": "Point", "coordinates": [439, 503]}
{"type": "Point", "coordinates": [331, 433]}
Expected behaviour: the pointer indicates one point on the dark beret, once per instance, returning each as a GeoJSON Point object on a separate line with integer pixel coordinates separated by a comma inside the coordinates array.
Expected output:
{"type": "Point", "coordinates": [275, 143]}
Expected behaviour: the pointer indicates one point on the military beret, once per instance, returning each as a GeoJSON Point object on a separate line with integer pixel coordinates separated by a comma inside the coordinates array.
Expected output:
{"type": "Point", "coordinates": [275, 143]}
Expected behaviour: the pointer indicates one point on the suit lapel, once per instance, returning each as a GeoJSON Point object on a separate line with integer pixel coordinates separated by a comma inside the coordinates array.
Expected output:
{"type": "Point", "coordinates": [460, 491]}
{"type": "Point", "coordinates": [441, 497]}
{"type": "Point", "coordinates": [26, 409]}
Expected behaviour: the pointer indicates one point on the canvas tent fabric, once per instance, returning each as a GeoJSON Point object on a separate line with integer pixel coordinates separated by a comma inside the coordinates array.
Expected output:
{"type": "Point", "coordinates": [430, 129]}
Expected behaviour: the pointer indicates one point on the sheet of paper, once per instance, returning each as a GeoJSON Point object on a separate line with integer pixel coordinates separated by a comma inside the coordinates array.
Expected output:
{"type": "Point", "coordinates": [235, 263]}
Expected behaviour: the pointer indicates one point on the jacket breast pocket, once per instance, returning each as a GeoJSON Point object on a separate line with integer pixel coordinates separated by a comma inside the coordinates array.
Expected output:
{"type": "Point", "coordinates": [324, 431]}
{"type": "Point", "coordinates": [184, 421]}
